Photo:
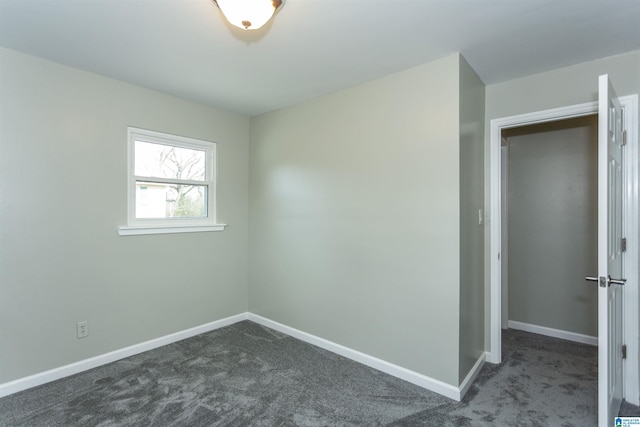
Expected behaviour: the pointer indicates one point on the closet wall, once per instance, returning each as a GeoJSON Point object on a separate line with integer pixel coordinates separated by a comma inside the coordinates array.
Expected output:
{"type": "Point", "coordinates": [552, 224]}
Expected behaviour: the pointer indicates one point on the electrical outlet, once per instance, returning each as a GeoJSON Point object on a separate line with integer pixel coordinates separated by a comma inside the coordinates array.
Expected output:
{"type": "Point", "coordinates": [83, 329]}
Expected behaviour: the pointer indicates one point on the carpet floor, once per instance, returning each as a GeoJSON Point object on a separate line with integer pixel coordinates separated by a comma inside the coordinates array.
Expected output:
{"type": "Point", "coordinates": [249, 375]}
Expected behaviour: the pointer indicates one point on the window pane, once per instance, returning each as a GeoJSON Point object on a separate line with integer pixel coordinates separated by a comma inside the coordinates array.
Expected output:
{"type": "Point", "coordinates": [166, 161]}
{"type": "Point", "coordinates": [159, 200]}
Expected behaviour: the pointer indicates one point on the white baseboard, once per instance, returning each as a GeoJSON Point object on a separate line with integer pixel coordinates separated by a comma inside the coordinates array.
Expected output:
{"type": "Point", "coordinates": [557, 333]}
{"type": "Point", "coordinates": [473, 373]}
{"type": "Point", "coordinates": [437, 386]}
{"type": "Point", "coordinates": [84, 365]}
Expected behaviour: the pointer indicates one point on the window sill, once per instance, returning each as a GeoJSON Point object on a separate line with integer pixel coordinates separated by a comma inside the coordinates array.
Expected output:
{"type": "Point", "coordinates": [165, 229]}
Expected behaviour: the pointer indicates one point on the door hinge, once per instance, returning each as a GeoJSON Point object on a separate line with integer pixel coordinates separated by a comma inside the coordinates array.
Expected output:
{"type": "Point", "coordinates": [623, 244]}
{"type": "Point", "coordinates": [624, 351]}
{"type": "Point", "coordinates": [623, 127]}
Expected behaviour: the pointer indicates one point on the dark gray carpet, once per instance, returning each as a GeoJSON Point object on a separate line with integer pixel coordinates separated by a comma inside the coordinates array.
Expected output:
{"type": "Point", "coordinates": [246, 374]}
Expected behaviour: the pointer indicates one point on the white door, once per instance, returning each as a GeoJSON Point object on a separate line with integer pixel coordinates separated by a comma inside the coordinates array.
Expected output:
{"type": "Point", "coordinates": [610, 282]}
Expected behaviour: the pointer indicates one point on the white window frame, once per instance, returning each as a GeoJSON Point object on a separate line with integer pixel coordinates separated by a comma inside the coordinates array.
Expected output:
{"type": "Point", "coordinates": [136, 226]}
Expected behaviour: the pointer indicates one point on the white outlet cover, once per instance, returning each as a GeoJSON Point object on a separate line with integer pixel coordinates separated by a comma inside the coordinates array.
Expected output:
{"type": "Point", "coordinates": [82, 329]}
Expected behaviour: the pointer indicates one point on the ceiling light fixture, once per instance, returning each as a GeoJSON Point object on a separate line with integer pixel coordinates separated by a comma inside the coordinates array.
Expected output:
{"type": "Point", "coordinates": [248, 14]}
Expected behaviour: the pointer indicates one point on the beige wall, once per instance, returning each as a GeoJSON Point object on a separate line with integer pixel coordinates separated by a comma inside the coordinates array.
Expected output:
{"type": "Point", "coordinates": [471, 107]}
{"type": "Point", "coordinates": [558, 88]}
{"type": "Point", "coordinates": [364, 205]}
{"type": "Point", "coordinates": [562, 87]}
{"type": "Point", "coordinates": [63, 190]}
{"type": "Point", "coordinates": [355, 214]}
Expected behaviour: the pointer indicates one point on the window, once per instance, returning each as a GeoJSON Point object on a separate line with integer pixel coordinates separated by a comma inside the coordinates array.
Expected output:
{"type": "Point", "coordinates": [171, 183]}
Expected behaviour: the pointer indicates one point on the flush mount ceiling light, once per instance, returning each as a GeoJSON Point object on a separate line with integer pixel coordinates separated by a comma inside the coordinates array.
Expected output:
{"type": "Point", "coordinates": [248, 14]}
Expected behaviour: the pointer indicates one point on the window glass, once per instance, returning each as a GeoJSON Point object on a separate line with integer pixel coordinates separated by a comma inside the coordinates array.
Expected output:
{"type": "Point", "coordinates": [161, 200]}
{"type": "Point", "coordinates": [168, 161]}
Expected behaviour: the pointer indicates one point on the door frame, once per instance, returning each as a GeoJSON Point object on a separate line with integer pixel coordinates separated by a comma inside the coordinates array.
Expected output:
{"type": "Point", "coordinates": [630, 228]}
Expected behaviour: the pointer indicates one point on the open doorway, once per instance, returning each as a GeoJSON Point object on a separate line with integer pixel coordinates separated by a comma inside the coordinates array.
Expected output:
{"type": "Point", "coordinates": [549, 228]}
{"type": "Point", "coordinates": [630, 226]}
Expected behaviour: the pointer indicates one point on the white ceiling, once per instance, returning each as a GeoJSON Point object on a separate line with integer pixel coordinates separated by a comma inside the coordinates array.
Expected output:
{"type": "Point", "coordinates": [312, 47]}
